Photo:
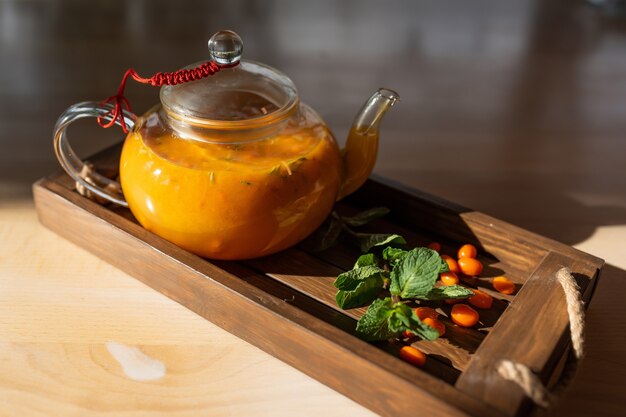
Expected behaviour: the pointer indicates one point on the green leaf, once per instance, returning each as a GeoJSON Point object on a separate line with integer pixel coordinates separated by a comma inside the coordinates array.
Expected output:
{"type": "Point", "coordinates": [374, 325]}
{"type": "Point", "coordinates": [330, 236]}
{"type": "Point", "coordinates": [415, 274]}
{"type": "Point", "coordinates": [444, 265]}
{"type": "Point", "coordinates": [369, 259]}
{"type": "Point", "coordinates": [369, 240]}
{"type": "Point", "coordinates": [365, 292]}
{"type": "Point", "coordinates": [358, 286]}
{"type": "Point", "coordinates": [350, 279]}
{"type": "Point", "coordinates": [365, 217]}
{"type": "Point", "coordinates": [385, 320]}
{"type": "Point", "coordinates": [406, 319]}
{"type": "Point", "coordinates": [444, 293]}
{"type": "Point", "coordinates": [393, 255]}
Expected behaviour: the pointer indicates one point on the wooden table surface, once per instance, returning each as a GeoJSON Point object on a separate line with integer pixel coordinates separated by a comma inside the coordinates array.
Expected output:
{"type": "Point", "coordinates": [516, 109]}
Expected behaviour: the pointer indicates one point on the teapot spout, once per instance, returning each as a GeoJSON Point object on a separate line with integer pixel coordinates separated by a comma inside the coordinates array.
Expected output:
{"type": "Point", "coordinates": [359, 154]}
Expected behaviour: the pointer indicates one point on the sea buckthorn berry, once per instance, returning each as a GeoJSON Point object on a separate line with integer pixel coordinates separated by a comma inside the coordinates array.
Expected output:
{"type": "Point", "coordinates": [407, 334]}
{"type": "Point", "coordinates": [413, 355]}
{"type": "Point", "coordinates": [425, 312]}
{"type": "Point", "coordinates": [467, 251]}
{"type": "Point", "coordinates": [464, 315]}
{"type": "Point", "coordinates": [453, 300]}
{"type": "Point", "coordinates": [470, 266]}
{"type": "Point", "coordinates": [503, 285]}
{"type": "Point", "coordinates": [480, 299]}
{"type": "Point", "coordinates": [449, 278]}
{"type": "Point", "coordinates": [435, 324]}
{"type": "Point", "coordinates": [452, 265]}
{"type": "Point", "coordinates": [434, 246]}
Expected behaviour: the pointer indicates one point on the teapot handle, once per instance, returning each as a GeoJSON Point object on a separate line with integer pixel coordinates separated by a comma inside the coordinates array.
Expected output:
{"type": "Point", "coordinates": [98, 184]}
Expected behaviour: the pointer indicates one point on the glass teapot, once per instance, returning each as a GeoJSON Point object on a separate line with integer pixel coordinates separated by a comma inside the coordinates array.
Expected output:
{"type": "Point", "coordinates": [231, 166]}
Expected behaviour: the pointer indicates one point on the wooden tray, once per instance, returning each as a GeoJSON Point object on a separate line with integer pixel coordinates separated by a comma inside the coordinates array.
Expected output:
{"type": "Point", "coordinates": [284, 303]}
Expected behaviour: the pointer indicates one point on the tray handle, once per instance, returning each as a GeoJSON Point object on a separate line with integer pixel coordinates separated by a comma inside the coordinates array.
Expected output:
{"type": "Point", "coordinates": [532, 331]}
{"type": "Point", "coordinates": [98, 184]}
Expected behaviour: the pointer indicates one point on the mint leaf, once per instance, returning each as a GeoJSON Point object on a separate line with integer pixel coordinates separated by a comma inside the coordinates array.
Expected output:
{"type": "Point", "coordinates": [393, 255]}
{"type": "Point", "coordinates": [443, 293]}
{"type": "Point", "coordinates": [365, 217]}
{"type": "Point", "coordinates": [358, 286]}
{"type": "Point", "coordinates": [415, 274]}
{"type": "Point", "coordinates": [330, 236]}
{"type": "Point", "coordinates": [444, 265]}
{"type": "Point", "coordinates": [374, 325]}
{"type": "Point", "coordinates": [405, 318]}
{"type": "Point", "coordinates": [369, 259]}
{"type": "Point", "coordinates": [350, 279]}
{"type": "Point", "coordinates": [370, 240]}
{"type": "Point", "coordinates": [366, 291]}
{"type": "Point", "coordinates": [385, 320]}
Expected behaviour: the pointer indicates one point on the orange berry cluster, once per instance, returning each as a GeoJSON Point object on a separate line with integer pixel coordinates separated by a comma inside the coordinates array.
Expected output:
{"type": "Point", "coordinates": [462, 314]}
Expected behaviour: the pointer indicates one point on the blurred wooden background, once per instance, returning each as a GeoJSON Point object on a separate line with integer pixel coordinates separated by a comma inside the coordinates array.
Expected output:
{"type": "Point", "coordinates": [513, 108]}
{"type": "Point", "coordinates": [516, 108]}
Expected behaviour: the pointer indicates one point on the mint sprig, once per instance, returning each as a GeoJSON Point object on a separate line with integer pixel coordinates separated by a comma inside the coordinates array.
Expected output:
{"type": "Point", "coordinates": [413, 275]}
{"type": "Point", "coordinates": [385, 319]}
{"type": "Point", "coordinates": [327, 235]}
{"type": "Point", "coordinates": [407, 274]}
{"type": "Point", "coordinates": [358, 286]}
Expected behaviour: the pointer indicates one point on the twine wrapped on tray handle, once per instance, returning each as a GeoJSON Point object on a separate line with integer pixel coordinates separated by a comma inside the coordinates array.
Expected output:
{"type": "Point", "coordinates": [522, 375]}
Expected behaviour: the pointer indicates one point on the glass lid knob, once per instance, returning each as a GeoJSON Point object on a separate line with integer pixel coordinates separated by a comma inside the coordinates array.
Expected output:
{"type": "Point", "coordinates": [226, 47]}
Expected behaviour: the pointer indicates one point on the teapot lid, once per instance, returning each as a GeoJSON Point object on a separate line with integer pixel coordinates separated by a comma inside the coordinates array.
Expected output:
{"type": "Point", "coordinates": [224, 91]}
{"type": "Point", "coordinates": [237, 93]}
{"type": "Point", "coordinates": [249, 91]}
